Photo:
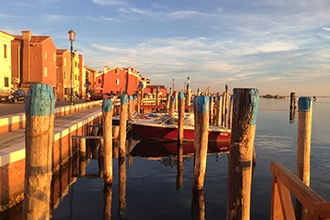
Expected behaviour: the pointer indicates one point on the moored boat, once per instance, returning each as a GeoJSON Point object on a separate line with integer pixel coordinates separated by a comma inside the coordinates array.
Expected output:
{"type": "Point", "coordinates": [161, 129]}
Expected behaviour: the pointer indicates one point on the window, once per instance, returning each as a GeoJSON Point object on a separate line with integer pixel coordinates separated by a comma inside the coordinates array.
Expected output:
{"type": "Point", "coordinates": [64, 61]}
{"type": "Point", "coordinates": [99, 81]}
{"type": "Point", "coordinates": [65, 75]}
{"type": "Point", "coordinates": [5, 51]}
{"type": "Point", "coordinates": [66, 91]}
{"type": "Point", "coordinates": [45, 71]}
{"type": "Point", "coordinates": [6, 81]}
{"type": "Point", "coordinates": [45, 55]}
{"type": "Point", "coordinates": [54, 57]}
{"type": "Point", "coordinates": [116, 71]}
{"type": "Point", "coordinates": [117, 81]}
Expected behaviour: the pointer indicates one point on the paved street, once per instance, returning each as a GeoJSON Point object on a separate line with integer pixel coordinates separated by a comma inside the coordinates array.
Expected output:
{"type": "Point", "coordinates": [11, 108]}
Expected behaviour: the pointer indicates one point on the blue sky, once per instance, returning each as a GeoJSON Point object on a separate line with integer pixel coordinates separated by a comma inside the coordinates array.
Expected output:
{"type": "Point", "coordinates": [276, 46]}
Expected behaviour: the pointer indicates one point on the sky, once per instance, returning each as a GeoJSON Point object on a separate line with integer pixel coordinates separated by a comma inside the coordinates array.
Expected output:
{"type": "Point", "coordinates": [276, 46]}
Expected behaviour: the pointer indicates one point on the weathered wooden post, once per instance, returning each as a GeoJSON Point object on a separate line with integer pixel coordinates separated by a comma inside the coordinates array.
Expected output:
{"type": "Point", "coordinates": [201, 110]}
{"type": "Point", "coordinates": [107, 136]}
{"type": "Point", "coordinates": [181, 117]}
{"type": "Point", "coordinates": [172, 106]}
{"type": "Point", "coordinates": [198, 205]}
{"type": "Point", "coordinates": [241, 153]}
{"type": "Point", "coordinates": [219, 110]}
{"type": "Point", "coordinates": [230, 118]}
{"type": "Point", "coordinates": [168, 99]}
{"type": "Point", "coordinates": [211, 110]}
{"type": "Point", "coordinates": [304, 146]}
{"type": "Point", "coordinates": [225, 107]}
{"type": "Point", "coordinates": [176, 100]}
{"type": "Point", "coordinates": [292, 107]}
{"type": "Point", "coordinates": [157, 98]}
{"type": "Point", "coordinates": [179, 176]}
{"type": "Point", "coordinates": [122, 156]}
{"type": "Point", "coordinates": [188, 101]}
{"type": "Point", "coordinates": [39, 132]}
{"type": "Point", "coordinates": [130, 107]}
{"type": "Point", "coordinates": [107, 194]}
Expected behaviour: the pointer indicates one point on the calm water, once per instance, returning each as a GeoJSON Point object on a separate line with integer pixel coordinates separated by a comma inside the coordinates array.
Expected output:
{"type": "Point", "coordinates": [152, 189]}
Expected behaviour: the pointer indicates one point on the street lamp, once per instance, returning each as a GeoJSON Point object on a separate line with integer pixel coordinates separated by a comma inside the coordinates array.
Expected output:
{"type": "Point", "coordinates": [71, 38]}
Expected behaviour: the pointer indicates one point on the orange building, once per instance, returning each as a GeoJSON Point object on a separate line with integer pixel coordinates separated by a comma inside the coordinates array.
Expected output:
{"type": "Point", "coordinates": [33, 60]}
{"type": "Point", "coordinates": [90, 83]}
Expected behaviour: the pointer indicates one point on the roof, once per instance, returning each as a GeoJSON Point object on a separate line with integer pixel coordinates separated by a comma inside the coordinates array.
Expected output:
{"type": "Point", "coordinates": [61, 51]}
{"type": "Point", "coordinates": [34, 39]}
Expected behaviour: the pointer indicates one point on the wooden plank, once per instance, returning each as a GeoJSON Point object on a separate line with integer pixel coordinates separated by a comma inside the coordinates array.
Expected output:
{"type": "Point", "coordinates": [87, 137]}
{"type": "Point", "coordinates": [303, 193]}
{"type": "Point", "coordinates": [286, 202]}
{"type": "Point", "coordinates": [276, 212]}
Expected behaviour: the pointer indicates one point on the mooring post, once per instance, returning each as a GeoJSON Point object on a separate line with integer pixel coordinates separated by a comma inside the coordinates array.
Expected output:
{"type": "Point", "coordinates": [39, 132]}
{"type": "Point", "coordinates": [211, 110]}
{"type": "Point", "coordinates": [230, 118]}
{"type": "Point", "coordinates": [122, 156]}
{"type": "Point", "coordinates": [219, 110]}
{"type": "Point", "coordinates": [304, 146]}
{"type": "Point", "coordinates": [181, 106]}
{"type": "Point", "coordinates": [179, 176]}
{"type": "Point", "coordinates": [107, 195]}
{"type": "Point", "coordinates": [201, 106]}
{"type": "Point", "coordinates": [292, 107]}
{"type": "Point", "coordinates": [130, 107]}
{"type": "Point", "coordinates": [168, 99]}
{"type": "Point", "coordinates": [198, 205]}
{"type": "Point", "coordinates": [107, 136]}
{"type": "Point", "coordinates": [241, 153]}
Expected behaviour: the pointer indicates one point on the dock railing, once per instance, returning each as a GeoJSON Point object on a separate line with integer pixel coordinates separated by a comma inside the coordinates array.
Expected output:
{"type": "Point", "coordinates": [285, 184]}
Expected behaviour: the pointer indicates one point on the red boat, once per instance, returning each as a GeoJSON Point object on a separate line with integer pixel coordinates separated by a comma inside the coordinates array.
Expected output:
{"type": "Point", "coordinates": [162, 130]}
{"type": "Point", "coordinates": [156, 149]}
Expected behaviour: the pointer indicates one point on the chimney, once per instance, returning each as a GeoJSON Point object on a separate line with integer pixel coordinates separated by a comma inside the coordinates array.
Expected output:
{"type": "Point", "coordinates": [105, 69]}
{"type": "Point", "coordinates": [26, 56]}
{"type": "Point", "coordinates": [27, 35]}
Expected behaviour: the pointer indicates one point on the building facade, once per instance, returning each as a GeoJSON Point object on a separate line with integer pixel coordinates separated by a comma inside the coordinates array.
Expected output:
{"type": "Point", "coordinates": [5, 62]}
{"type": "Point", "coordinates": [33, 60]}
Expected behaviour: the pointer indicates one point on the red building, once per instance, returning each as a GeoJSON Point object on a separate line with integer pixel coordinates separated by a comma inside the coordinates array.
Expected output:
{"type": "Point", "coordinates": [33, 60]}
{"type": "Point", "coordinates": [117, 80]}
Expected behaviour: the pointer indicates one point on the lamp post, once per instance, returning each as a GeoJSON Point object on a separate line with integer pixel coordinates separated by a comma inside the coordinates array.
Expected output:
{"type": "Point", "coordinates": [71, 38]}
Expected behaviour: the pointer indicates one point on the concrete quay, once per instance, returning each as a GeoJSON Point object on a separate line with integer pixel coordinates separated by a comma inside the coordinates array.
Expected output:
{"type": "Point", "coordinates": [69, 121]}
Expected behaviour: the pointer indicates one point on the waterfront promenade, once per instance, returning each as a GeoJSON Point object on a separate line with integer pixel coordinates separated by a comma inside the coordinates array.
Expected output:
{"type": "Point", "coordinates": [69, 120]}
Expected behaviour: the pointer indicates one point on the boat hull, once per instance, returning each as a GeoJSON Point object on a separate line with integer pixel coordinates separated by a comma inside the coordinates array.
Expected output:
{"type": "Point", "coordinates": [170, 132]}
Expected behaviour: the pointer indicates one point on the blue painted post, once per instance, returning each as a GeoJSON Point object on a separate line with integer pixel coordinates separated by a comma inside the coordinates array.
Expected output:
{"type": "Point", "coordinates": [181, 117]}
{"type": "Point", "coordinates": [201, 110]}
{"type": "Point", "coordinates": [39, 133]}
{"type": "Point", "coordinates": [240, 160]}
{"type": "Point", "coordinates": [304, 146]}
{"type": "Point", "coordinates": [107, 137]}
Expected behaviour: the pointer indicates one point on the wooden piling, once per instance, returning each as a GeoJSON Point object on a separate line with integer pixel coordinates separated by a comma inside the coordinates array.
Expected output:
{"type": "Point", "coordinates": [230, 118]}
{"type": "Point", "coordinates": [225, 107]}
{"type": "Point", "coordinates": [241, 153]}
{"type": "Point", "coordinates": [107, 137]}
{"type": "Point", "coordinates": [179, 176]}
{"type": "Point", "coordinates": [130, 107]}
{"type": "Point", "coordinates": [211, 110]}
{"type": "Point", "coordinates": [39, 132]}
{"type": "Point", "coordinates": [198, 205]}
{"type": "Point", "coordinates": [201, 109]}
{"type": "Point", "coordinates": [107, 195]}
{"type": "Point", "coordinates": [181, 107]}
{"type": "Point", "coordinates": [303, 146]}
{"type": "Point", "coordinates": [219, 111]}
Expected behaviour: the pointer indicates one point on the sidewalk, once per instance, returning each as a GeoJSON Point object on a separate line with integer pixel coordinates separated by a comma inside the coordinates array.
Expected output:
{"type": "Point", "coordinates": [12, 144]}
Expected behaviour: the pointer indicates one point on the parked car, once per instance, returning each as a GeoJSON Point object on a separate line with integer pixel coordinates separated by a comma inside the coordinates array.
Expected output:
{"type": "Point", "coordinates": [17, 96]}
